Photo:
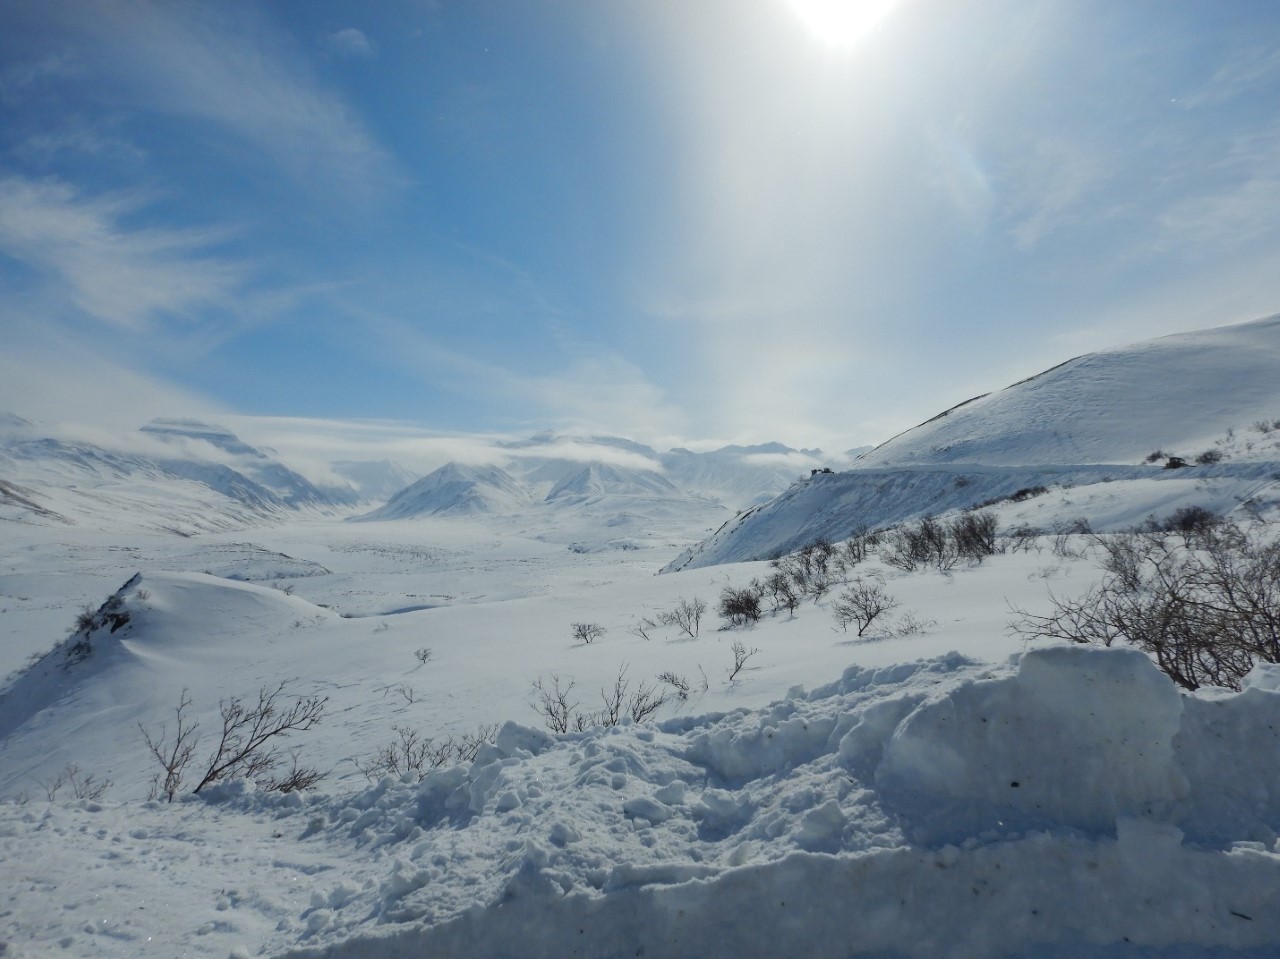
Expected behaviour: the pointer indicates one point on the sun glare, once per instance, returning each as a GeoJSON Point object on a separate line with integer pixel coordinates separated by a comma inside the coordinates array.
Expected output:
{"type": "Point", "coordinates": [842, 23]}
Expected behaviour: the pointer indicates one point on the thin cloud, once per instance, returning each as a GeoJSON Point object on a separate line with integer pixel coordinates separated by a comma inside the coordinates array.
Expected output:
{"type": "Point", "coordinates": [352, 44]}
{"type": "Point", "coordinates": [127, 278]}
{"type": "Point", "coordinates": [226, 66]}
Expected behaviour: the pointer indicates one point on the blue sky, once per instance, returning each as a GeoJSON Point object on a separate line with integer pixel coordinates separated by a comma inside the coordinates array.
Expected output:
{"type": "Point", "coordinates": [686, 221]}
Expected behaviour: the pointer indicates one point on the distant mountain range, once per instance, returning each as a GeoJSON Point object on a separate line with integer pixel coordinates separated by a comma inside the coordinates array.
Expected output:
{"type": "Point", "coordinates": [189, 476]}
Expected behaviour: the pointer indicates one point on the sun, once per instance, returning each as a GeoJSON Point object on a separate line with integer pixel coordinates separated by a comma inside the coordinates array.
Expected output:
{"type": "Point", "coordinates": [842, 23]}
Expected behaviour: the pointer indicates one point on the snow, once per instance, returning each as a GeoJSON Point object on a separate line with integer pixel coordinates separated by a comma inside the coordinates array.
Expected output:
{"type": "Point", "coordinates": [1085, 430]}
{"type": "Point", "coordinates": [1177, 393]}
{"type": "Point", "coordinates": [944, 807]}
{"type": "Point", "coordinates": [850, 817]}
{"type": "Point", "coordinates": [949, 791]}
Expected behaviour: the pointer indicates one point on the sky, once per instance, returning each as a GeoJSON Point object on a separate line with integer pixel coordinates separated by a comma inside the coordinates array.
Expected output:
{"type": "Point", "coordinates": [689, 223]}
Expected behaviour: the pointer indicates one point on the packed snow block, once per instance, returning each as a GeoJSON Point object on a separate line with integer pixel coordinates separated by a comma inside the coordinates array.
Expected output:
{"type": "Point", "coordinates": [1229, 750]}
{"type": "Point", "coordinates": [1077, 737]}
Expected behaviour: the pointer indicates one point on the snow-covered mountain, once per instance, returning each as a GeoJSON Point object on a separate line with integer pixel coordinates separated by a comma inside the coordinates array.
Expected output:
{"type": "Point", "coordinates": [375, 480]}
{"type": "Point", "coordinates": [180, 475]}
{"type": "Point", "coordinates": [1090, 440]}
{"type": "Point", "coordinates": [597, 480]}
{"type": "Point", "coordinates": [454, 489]}
{"type": "Point", "coordinates": [741, 476]}
{"type": "Point", "coordinates": [734, 476]}
{"type": "Point", "coordinates": [285, 486]}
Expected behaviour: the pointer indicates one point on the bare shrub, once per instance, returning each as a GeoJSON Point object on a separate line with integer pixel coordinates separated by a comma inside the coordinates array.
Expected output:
{"type": "Point", "coordinates": [686, 616]}
{"type": "Point", "coordinates": [778, 587]}
{"type": "Point", "coordinates": [83, 786]}
{"type": "Point", "coordinates": [1209, 457]}
{"type": "Point", "coordinates": [1024, 539]}
{"type": "Point", "coordinates": [412, 753]}
{"type": "Point", "coordinates": [297, 778]}
{"type": "Point", "coordinates": [927, 543]}
{"type": "Point", "coordinates": [909, 624]}
{"type": "Point", "coordinates": [422, 655]}
{"type": "Point", "coordinates": [740, 656]}
{"type": "Point", "coordinates": [620, 702]}
{"type": "Point", "coordinates": [553, 704]}
{"type": "Point", "coordinates": [587, 632]}
{"type": "Point", "coordinates": [679, 684]}
{"type": "Point", "coordinates": [739, 606]}
{"type": "Point", "coordinates": [1191, 522]}
{"type": "Point", "coordinates": [245, 744]}
{"type": "Point", "coordinates": [974, 535]}
{"type": "Point", "coordinates": [175, 756]}
{"type": "Point", "coordinates": [560, 714]}
{"type": "Point", "coordinates": [643, 627]}
{"type": "Point", "coordinates": [861, 605]}
{"type": "Point", "coordinates": [1204, 613]}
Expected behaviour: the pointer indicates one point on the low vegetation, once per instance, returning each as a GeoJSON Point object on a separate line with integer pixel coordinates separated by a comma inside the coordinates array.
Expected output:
{"type": "Point", "coordinates": [1203, 602]}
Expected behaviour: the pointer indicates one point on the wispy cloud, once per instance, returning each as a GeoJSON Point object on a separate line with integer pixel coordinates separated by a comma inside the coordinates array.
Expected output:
{"type": "Point", "coordinates": [1050, 184]}
{"type": "Point", "coordinates": [1244, 71]}
{"type": "Point", "coordinates": [351, 43]}
{"type": "Point", "coordinates": [225, 65]}
{"type": "Point", "coordinates": [125, 277]}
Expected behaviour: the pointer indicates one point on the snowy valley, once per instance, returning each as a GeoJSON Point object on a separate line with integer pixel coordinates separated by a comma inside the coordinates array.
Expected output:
{"type": "Point", "coordinates": [498, 781]}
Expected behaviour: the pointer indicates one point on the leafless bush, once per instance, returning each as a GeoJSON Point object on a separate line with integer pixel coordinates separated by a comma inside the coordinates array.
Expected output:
{"type": "Point", "coordinates": [82, 786]}
{"type": "Point", "coordinates": [643, 627]}
{"type": "Point", "coordinates": [560, 714]}
{"type": "Point", "coordinates": [781, 592]}
{"type": "Point", "coordinates": [175, 756]}
{"type": "Point", "coordinates": [296, 779]}
{"type": "Point", "coordinates": [413, 753]}
{"type": "Point", "coordinates": [245, 743]}
{"type": "Point", "coordinates": [1066, 538]}
{"type": "Point", "coordinates": [740, 656]}
{"type": "Point", "coordinates": [1024, 539]}
{"type": "Point", "coordinates": [422, 655]}
{"type": "Point", "coordinates": [926, 543]}
{"type": "Point", "coordinates": [909, 624]}
{"type": "Point", "coordinates": [1204, 613]}
{"type": "Point", "coordinates": [553, 703]}
{"type": "Point", "coordinates": [686, 616]}
{"type": "Point", "coordinates": [739, 606]}
{"type": "Point", "coordinates": [974, 535]}
{"type": "Point", "coordinates": [861, 605]}
{"type": "Point", "coordinates": [620, 701]}
{"type": "Point", "coordinates": [587, 632]}
{"type": "Point", "coordinates": [859, 546]}
{"type": "Point", "coordinates": [678, 684]}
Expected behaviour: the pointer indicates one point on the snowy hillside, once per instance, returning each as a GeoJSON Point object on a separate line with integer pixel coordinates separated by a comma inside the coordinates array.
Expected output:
{"type": "Point", "coordinates": [1177, 394]}
{"type": "Point", "coordinates": [1092, 440]}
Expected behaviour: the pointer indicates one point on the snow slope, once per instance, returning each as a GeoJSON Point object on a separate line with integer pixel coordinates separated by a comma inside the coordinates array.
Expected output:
{"type": "Point", "coordinates": [1177, 393]}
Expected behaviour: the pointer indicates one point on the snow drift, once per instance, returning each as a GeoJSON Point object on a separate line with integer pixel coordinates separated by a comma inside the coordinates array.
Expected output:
{"type": "Point", "coordinates": [1069, 803]}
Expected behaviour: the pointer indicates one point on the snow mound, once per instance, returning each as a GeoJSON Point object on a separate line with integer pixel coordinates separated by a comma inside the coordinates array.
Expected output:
{"type": "Point", "coordinates": [1067, 803]}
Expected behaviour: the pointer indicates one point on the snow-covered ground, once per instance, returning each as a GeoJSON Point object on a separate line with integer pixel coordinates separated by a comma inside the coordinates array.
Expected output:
{"type": "Point", "coordinates": [950, 793]}
{"type": "Point", "coordinates": [940, 788]}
